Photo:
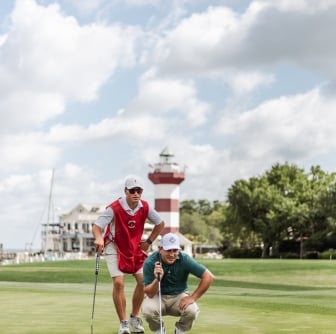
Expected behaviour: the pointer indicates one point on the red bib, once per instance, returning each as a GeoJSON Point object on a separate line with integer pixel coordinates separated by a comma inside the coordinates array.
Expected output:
{"type": "Point", "coordinates": [127, 237]}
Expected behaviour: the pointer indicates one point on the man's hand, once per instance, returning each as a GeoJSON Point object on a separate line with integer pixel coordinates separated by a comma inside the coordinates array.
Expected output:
{"type": "Point", "coordinates": [185, 302]}
{"type": "Point", "coordinates": [99, 244]}
{"type": "Point", "coordinates": [144, 245]}
{"type": "Point", "coordinates": [158, 271]}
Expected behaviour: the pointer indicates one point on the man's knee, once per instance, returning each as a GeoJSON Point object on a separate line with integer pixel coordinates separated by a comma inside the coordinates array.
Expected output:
{"type": "Point", "coordinates": [191, 311]}
{"type": "Point", "coordinates": [118, 283]}
{"type": "Point", "coordinates": [149, 308]}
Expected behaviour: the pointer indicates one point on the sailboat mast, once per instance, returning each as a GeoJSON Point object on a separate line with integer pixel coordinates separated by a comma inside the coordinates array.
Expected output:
{"type": "Point", "coordinates": [50, 196]}
{"type": "Point", "coordinates": [48, 235]}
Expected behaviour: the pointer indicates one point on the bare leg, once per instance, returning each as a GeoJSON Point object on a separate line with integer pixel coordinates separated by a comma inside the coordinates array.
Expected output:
{"type": "Point", "coordinates": [118, 296]}
{"type": "Point", "coordinates": [138, 295]}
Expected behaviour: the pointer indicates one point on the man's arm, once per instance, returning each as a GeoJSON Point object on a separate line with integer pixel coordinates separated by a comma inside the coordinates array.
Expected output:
{"type": "Point", "coordinates": [204, 284]}
{"type": "Point", "coordinates": [156, 231]}
{"type": "Point", "coordinates": [99, 227]}
{"type": "Point", "coordinates": [99, 238]}
{"type": "Point", "coordinates": [144, 244]}
{"type": "Point", "coordinates": [152, 288]}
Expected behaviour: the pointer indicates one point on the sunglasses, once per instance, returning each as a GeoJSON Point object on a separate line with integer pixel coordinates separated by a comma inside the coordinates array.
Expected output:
{"type": "Point", "coordinates": [135, 190]}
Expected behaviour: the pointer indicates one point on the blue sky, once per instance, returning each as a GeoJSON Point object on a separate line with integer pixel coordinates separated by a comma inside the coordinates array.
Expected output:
{"type": "Point", "coordinates": [96, 89]}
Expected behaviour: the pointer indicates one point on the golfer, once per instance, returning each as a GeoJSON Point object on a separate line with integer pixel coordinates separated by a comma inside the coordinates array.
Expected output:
{"type": "Point", "coordinates": [170, 267]}
{"type": "Point", "coordinates": [118, 236]}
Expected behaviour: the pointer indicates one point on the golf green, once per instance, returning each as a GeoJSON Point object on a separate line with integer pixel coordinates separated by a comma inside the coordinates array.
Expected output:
{"type": "Point", "coordinates": [247, 297]}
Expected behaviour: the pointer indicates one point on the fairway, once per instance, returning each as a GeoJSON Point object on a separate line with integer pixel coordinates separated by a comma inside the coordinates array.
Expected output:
{"type": "Point", "coordinates": [248, 297]}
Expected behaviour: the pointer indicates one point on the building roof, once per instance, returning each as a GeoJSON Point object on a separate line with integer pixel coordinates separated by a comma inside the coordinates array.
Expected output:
{"type": "Point", "coordinates": [183, 240]}
{"type": "Point", "coordinates": [87, 208]}
{"type": "Point", "coordinates": [94, 208]}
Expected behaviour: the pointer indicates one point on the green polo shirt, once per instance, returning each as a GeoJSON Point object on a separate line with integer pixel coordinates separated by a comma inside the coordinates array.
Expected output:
{"type": "Point", "coordinates": [175, 278]}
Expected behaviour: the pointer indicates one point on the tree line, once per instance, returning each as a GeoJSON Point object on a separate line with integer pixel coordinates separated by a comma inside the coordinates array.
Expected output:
{"type": "Point", "coordinates": [283, 212]}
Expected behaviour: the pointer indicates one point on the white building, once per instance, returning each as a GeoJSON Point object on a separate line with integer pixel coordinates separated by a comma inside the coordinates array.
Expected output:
{"type": "Point", "coordinates": [73, 233]}
{"type": "Point", "coordinates": [76, 228]}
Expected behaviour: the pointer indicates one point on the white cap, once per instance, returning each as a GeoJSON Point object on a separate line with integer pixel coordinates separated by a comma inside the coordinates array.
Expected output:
{"type": "Point", "coordinates": [170, 241]}
{"type": "Point", "coordinates": [133, 182]}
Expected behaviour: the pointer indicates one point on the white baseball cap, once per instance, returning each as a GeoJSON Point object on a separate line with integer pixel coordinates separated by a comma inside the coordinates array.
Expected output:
{"type": "Point", "coordinates": [133, 182]}
{"type": "Point", "coordinates": [170, 241]}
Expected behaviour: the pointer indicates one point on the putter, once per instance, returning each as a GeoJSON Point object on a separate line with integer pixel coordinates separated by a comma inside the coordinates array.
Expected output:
{"type": "Point", "coordinates": [94, 290]}
{"type": "Point", "coordinates": [160, 306]}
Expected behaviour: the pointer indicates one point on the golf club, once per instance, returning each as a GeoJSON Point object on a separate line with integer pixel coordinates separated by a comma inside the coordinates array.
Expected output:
{"type": "Point", "coordinates": [95, 288]}
{"type": "Point", "coordinates": [160, 305]}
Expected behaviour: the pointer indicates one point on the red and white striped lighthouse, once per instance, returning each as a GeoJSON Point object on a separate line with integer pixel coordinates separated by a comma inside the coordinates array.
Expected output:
{"type": "Point", "coordinates": [167, 177]}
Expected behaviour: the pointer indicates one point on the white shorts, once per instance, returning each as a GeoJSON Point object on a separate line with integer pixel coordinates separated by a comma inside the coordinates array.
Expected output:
{"type": "Point", "coordinates": [110, 255]}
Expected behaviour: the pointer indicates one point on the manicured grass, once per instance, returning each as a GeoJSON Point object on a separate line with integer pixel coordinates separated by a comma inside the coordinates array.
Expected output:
{"type": "Point", "coordinates": [247, 297]}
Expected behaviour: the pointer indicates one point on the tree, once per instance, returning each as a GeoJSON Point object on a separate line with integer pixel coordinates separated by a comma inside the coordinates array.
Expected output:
{"type": "Point", "coordinates": [283, 204]}
{"type": "Point", "coordinates": [200, 221]}
{"type": "Point", "coordinates": [255, 208]}
{"type": "Point", "coordinates": [293, 186]}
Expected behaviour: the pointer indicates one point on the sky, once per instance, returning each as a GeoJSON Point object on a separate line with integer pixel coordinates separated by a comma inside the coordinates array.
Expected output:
{"type": "Point", "coordinates": [92, 91]}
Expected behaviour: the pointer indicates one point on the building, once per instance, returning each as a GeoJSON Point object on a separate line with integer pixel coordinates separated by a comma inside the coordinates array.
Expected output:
{"type": "Point", "coordinates": [73, 233]}
{"type": "Point", "coordinates": [167, 176]}
{"type": "Point", "coordinates": [76, 228]}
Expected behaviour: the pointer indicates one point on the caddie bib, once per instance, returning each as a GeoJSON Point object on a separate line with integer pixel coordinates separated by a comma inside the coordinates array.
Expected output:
{"type": "Point", "coordinates": [128, 230]}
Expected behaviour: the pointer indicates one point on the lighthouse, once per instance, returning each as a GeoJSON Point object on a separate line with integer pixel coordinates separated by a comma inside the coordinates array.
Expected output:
{"type": "Point", "coordinates": [167, 177]}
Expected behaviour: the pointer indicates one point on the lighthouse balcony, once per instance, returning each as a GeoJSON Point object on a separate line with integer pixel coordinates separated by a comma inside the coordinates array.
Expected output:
{"type": "Point", "coordinates": [168, 168]}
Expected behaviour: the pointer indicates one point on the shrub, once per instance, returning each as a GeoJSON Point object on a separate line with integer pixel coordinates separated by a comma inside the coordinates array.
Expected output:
{"type": "Point", "coordinates": [289, 255]}
{"type": "Point", "coordinates": [246, 253]}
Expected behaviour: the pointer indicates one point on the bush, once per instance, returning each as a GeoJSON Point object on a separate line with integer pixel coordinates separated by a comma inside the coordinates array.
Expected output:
{"type": "Point", "coordinates": [288, 255]}
{"type": "Point", "coordinates": [289, 246]}
{"type": "Point", "coordinates": [239, 253]}
{"type": "Point", "coordinates": [328, 255]}
{"type": "Point", "coordinates": [312, 255]}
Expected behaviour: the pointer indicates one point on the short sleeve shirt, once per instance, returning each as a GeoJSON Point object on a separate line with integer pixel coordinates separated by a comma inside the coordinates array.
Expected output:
{"type": "Point", "coordinates": [175, 278]}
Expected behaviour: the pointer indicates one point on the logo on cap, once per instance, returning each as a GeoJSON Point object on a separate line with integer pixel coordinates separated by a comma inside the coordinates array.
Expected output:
{"type": "Point", "coordinates": [172, 240]}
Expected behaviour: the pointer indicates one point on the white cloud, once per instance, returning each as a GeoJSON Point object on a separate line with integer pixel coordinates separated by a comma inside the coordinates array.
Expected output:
{"type": "Point", "coordinates": [52, 51]}
{"type": "Point", "coordinates": [169, 96]}
{"type": "Point", "coordinates": [48, 58]}
{"type": "Point", "coordinates": [69, 97]}
{"type": "Point", "coordinates": [310, 6]}
{"type": "Point", "coordinates": [195, 43]}
{"type": "Point", "coordinates": [22, 151]}
{"type": "Point", "coordinates": [123, 128]}
{"type": "Point", "coordinates": [219, 40]}
{"type": "Point", "coordinates": [246, 82]}
{"type": "Point", "coordinates": [24, 110]}
{"type": "Point", "coordinates": [87, 6]}
{"type": "Point", "coordinates": [139, 3]}
{"type": "Point", "coordinates": [286, 128]}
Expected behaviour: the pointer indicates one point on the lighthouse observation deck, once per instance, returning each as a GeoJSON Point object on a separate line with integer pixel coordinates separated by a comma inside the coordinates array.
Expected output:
{"type": "Point", "coordinates": [166, 171]}
{"type": "Point", "coordinates": [170, 173]}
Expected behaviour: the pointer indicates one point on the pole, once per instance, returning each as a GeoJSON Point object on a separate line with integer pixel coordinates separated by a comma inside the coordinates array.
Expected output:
{"type": "Point", "coordinates": [95, 289]}
{"type": "Point", "coordinates": [160, 305]}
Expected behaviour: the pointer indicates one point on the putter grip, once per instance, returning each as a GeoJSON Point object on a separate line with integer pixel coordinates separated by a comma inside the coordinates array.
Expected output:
{"type": "Point", "coordinates": [158, 277]}
{"type": "Point", "coordinates": [97, 263]}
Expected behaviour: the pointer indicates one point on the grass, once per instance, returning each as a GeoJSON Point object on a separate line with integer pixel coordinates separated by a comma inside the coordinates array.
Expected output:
{"type": "Point", "coordinates": [247, 297]}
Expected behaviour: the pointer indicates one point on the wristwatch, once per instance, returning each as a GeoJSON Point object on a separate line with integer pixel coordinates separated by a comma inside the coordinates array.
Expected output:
{"type": "Point", "coordinates": [149, 241]}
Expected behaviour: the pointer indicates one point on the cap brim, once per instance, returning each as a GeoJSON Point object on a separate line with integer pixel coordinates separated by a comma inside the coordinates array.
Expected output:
{"type": "Point", "coordinates": [171, 247]}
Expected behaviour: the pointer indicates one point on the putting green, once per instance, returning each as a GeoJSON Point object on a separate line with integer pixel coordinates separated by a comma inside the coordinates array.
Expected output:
{"type": "Point", "coordinates": [248, 297]}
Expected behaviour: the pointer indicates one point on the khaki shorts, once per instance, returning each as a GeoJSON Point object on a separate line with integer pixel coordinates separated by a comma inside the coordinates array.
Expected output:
{"type": "Point", "coordinates": [110, 255]}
